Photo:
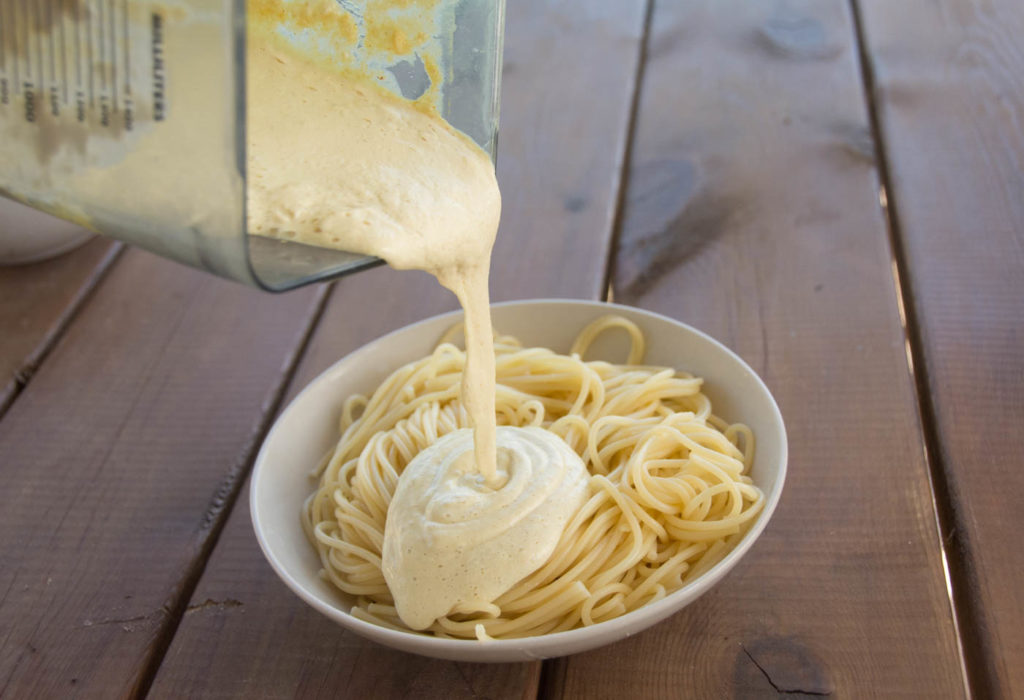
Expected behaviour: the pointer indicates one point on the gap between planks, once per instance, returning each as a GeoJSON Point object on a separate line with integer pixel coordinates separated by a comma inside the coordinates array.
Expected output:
{"type": "Point", "coordinates": [979, 677]}
{"type": "Point", "coordinates": [222, 504]}
{"type": "Point", "coordinates": [627, 154]}
{"type": "Point", "coordinates": [9, 394]}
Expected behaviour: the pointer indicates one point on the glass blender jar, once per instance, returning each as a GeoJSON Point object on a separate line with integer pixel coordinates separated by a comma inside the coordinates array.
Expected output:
{"type": "Point", "coordinates": [128, 116]}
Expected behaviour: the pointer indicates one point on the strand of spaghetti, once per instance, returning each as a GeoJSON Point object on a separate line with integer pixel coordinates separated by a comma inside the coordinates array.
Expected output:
{"type": "Point", "coordinates": [583, 570]}
{"type": "Point", "coordinates": [590, 332]}
{"type": "Point", "coordinates": [673, 568]}
{"type": "Point", "coordinates": [500, 627]}
{"type": "Point", "coordinates": [615, 592]}
{"type": "Point", "coordinates": [716, 552]}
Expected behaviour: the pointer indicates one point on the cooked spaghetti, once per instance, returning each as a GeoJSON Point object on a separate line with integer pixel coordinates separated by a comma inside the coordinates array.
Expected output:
{"type": "Point", "coordinates": [669, 487]}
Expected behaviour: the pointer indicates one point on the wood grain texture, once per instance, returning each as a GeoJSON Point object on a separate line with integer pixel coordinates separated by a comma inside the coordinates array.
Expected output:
{"type": "Point", "coordinates": [36, 303]}
{"type": "Point", "coordinates": [950, 97]}
{"type": "Point", "coordinates": [753, 214]}
{"type": "Point", "coordinates": [568, 84]}
{"type": "Point", "coordinates": [567, 89]}
{"type": "Point", "coordinates": [116, 460]}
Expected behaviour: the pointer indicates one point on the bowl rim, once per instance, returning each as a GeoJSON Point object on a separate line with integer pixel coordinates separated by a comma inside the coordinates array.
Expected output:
{"type": "Point", "coordinates": [634, 620]}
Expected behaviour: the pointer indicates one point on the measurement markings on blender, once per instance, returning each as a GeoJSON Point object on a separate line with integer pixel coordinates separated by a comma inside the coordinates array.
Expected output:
{"type": "Point", "coordinates": [90, 47]}
{"type": "Point", "coordinates": [40, 83]}
{"type": "Point", "coordinates": [28, 86]}
{"type": "Point", "coordinates": [129, 108]}
{"type": "Point", "coordinates": [75, 56]}
{"type": "Point", "coordinates": [53, 91]}
{"type": "Point", "coordinates": [159, 107]}
{"type": "Point", "coordinates": [63, 54]}
{"type": "Point", "coordinates": [79, 81]}
{"type": "Point", "coordinates": [112, 33]}
{"type": "Point", "coordinates": [4, 87]}
{"type": "Point", "coordinates": [15, 45]}
{"type": "Point", "coordinates": [102, 42]}
{"type": "Point", "coordinates": [109, 60]}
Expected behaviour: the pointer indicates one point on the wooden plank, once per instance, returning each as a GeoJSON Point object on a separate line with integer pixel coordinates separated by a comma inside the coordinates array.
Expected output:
{"type": "Point", "coordinates": [118, 459]}
{"type": "Point", "coordinates": [752, 213]}
{"type": "Point", "coordinates": [36, 303]}
{"type": "Point", "coordinates": [568, 84]}
{"type": "Point", "coordinates": [947, 79]}
{"type": "Point", "coordinates": [567, 91]}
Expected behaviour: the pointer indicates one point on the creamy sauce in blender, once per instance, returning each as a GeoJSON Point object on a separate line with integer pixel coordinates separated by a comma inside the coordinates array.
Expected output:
{"type": "Point", "coordinates": [339, 163]}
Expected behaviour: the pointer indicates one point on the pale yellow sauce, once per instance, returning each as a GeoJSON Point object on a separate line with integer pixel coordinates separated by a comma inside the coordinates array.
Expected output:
{"type": "Point", "coordinates": [340, 163]}
{"type": "Point", "coordinates": [451, 539]}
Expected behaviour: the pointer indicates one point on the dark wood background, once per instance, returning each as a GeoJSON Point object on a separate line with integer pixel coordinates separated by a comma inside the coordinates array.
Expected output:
{"type": "Point", "coordinates": [834, 189]}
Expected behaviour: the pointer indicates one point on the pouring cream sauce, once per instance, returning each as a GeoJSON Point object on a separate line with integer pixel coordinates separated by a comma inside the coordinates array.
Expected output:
{"type": "Point", "coordinates": [339, 163]}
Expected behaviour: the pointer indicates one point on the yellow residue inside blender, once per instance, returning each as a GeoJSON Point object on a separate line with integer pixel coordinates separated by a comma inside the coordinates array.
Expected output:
{"type": "Point", "coordinates": [373, 44]}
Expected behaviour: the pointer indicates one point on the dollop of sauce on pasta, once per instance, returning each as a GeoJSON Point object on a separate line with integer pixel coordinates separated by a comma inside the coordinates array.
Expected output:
{"type": "Point", "coordinates": [456, 542]}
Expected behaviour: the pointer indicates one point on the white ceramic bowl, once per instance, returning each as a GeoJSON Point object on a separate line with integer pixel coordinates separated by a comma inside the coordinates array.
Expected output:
{"type": "Point", "coordinates": [307, 429]}
{"type": "Point", "coordinates": [28, 236]}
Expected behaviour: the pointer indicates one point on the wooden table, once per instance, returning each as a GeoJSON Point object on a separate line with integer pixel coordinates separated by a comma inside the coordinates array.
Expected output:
{"type": "Point", "coordinates": [835, 190]}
